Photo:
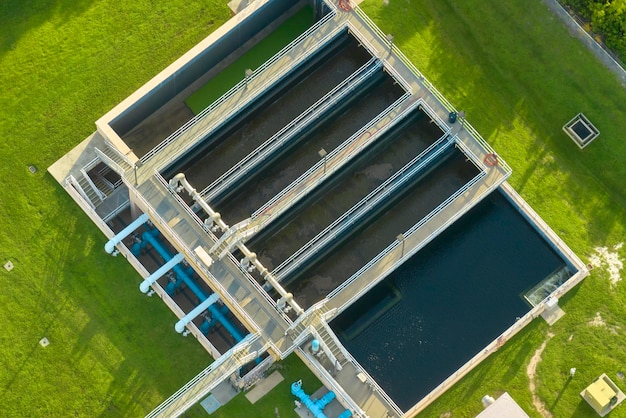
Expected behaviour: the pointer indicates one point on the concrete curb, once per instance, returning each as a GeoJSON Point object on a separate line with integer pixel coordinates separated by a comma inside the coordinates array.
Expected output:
{"type": "Point", "coordinates": [576, 30]}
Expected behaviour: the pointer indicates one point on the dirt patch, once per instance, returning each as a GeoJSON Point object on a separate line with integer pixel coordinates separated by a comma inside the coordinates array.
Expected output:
{"type": "Point", "coordinates": [597, 321]}
{"type": "Point", "coordinates": [531, 371]}
{"type": "Point", "coordinates": [609, 258]}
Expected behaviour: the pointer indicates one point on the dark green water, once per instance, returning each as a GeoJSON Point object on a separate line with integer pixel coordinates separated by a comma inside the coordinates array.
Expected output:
{"type": "Point", "coordinates": [458, 294]}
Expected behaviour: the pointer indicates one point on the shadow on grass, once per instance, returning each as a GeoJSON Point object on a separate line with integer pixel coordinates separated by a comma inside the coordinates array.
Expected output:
{"type": "Point", "coordinates": [18, 17]}
{"type": "Point", "coordinates": [519, 86]}
{"type": "Point", "coordinates": [114, 321]}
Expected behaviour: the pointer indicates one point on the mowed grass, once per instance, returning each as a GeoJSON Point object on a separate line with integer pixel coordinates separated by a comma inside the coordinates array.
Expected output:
{"type": "Point", "coordinates": [510, 65]}
{"type": "Point", "coordinates": [520, 76]}
{"type": "Point", "coordinates": [113, 352]}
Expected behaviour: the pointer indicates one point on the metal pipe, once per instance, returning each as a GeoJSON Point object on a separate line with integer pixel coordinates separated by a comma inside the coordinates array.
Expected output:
{"type": "Point", "coordinates": [110, 245]}
{"type": "Point", "coordinates": [145, 285]}
{"type": "Point", "coordinates": [191, 284]}
{"type": "Point", "coordinates": [180, 325]}
{"type": "Point", "coordinates": [178, 183]}
{"type": "Point", "coordinates": [165, 254]}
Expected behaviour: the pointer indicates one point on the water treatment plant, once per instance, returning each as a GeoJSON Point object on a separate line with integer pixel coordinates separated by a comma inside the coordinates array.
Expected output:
{"type": "Point", "coordinates": [328, 201]}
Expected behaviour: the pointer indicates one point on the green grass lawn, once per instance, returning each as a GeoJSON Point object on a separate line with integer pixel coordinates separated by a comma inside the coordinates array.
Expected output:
{"type": "Point", "coordinates": [520, 76]}
{"type": "Point", "coordinates": [510, 65]}
{"type": "Point", "coordinates": [113, 352]}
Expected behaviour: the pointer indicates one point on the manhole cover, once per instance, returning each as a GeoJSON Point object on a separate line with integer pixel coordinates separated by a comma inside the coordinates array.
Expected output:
{"type": "Point", "coordinates": [8, 266]}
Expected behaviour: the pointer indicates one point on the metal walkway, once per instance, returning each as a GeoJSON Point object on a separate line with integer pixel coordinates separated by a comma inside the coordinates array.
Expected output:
{"type": "Point", "coordinates": [251, 163]}
{"type": "Point", "coordinates": [360, 210]}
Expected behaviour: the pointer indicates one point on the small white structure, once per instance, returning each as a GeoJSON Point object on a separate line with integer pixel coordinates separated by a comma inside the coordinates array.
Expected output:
{"type": "Point", "coordinates": [504, 406]}
{"type": "Point", "coordinates": [581, 130]}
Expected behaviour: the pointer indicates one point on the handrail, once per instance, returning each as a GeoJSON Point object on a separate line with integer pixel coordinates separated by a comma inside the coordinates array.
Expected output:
{"type": "Point", "coordinates": [244, 83]}
{"type": "Point", "coordinates": [370, 380]}
{"type": "Point", "coordinates": [418, 225]}
{"type": "Point", "coordinates": [212, 237]}
{"type": "Point", "coordinates": [91, 184]}
{"type": "Point", "coordinates": [286, 133]}
{"type": "Point", "coordinates": [75, 185]}
{"type": "Point", "coordinates": [363, 40]}
{"type": "Point", "coordinates": [359, 209]}
{"type": "Point", "coordinates": [113, 148]}
{"type": "Point", "coordinates": [91, 164]}
{"type": "Point", "coordinates": [109, 161]}
{"type": "Point", "coordinates": [334, 386]}
{"type": "Point", "coordinates": [407, 105]}
{"type": "Point", "coordinates": [231, 362]}
{"type": "Point", "coordinates": [116, 210]}
{"type": "Point", "coordinates": [494, 345]}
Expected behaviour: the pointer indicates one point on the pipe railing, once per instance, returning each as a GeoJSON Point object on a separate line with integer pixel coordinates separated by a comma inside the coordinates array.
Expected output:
{"type": "Point", "coordinates": [180, 180]}
{"type": "Point", "coordinates": [369, 379]}
{"type": "Point", "coordinates": [117, 210]}
{"type": "Point", "coordinates": [374, 52]}
{"type": "Point", "coordinates": [355, 213]}
{"type": "Point", "coordinates": [293, 128]}
{"type": "Point", "coordinates": [74, 185]}
{"type": "Point", "coordinates": [97, 191]}
{"type": "Point", "coordinates": [407, 234]}
{"type": "Point", "coordinates": [257, 286]}
{"type": "Point", "coordinates": [109, 161]}
{"type": "Point", "coordinates": [117, 152]}
{"type": "Point", "coordinates": [206, 380]}
{"type": "Point", "coordinates": [401, 106]}
{"type": "Point", "coordinates": [301, 41]}
{"type": "Point", "coordinates": [192, 257]}
{"type": "Point", "coordinates": [213, 238]}
{"type": "Point", "coordinates": [363, 40]}
{"type": "Point", "coordinates": [544, 228]}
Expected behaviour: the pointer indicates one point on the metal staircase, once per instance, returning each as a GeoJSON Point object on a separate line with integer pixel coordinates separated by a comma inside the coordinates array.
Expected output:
{"type": "Point", "coordinates": [89, 191]}
{"type": "Point", "coordinates": [330, 340]}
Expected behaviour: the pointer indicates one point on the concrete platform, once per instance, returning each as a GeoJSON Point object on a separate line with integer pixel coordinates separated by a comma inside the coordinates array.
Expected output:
{"type": "Point", "coordinates": [264, 387]}
{"type": "Point", "coordinates": [219, 396]}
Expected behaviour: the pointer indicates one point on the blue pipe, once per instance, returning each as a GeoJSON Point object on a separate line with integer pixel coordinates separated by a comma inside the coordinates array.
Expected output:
{"type": "Point", "coordinates": [316, 407]}
{"type": "Point", "coordinates": [151, 237]}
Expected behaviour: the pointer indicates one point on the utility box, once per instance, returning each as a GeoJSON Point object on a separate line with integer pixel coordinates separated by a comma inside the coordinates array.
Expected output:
{"type": "Point", "coordinates": [603, 395]}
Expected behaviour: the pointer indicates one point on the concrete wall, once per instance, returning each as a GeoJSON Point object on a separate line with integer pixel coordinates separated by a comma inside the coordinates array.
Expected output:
{"type": "Point", "coordinates": [247, 24]}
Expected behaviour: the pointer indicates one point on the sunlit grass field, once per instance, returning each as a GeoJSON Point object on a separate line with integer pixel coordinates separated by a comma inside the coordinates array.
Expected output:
{"type": "Point", "coordinates": [510, 65]}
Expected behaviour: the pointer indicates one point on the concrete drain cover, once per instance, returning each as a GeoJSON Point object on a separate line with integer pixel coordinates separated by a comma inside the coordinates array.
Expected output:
{"type": "Point", "coordinates": [8, 266]}
{"type": "Point", "coordinates": [44, 342]}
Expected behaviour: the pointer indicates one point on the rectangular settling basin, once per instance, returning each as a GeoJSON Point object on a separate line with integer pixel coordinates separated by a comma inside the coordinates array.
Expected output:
{"type": "Point", "coordinates": [447, 302]}
{"type": "Point", "coordinates": [264, 117]}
